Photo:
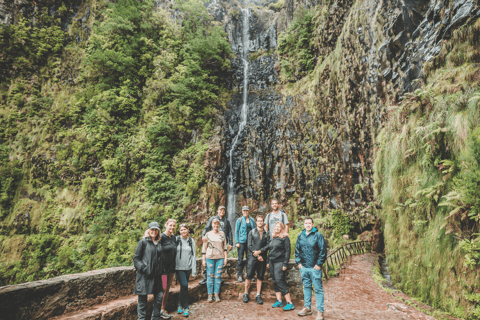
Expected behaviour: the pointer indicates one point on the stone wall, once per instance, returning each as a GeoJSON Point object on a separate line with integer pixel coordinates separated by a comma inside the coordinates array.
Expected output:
{"type": "Point", "coordinates": [46, 299]}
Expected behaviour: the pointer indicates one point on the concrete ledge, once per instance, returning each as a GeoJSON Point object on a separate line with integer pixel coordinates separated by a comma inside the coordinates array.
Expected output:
{"type": "Point", "coordinates": [68, 294]}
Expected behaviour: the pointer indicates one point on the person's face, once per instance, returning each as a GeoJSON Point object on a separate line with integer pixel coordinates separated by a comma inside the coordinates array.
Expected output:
{"type": "Point", "coordinates": [154, 233]}
{"type": "Point", "coordinates": [274, 205]}
{"type": "Point", "coordinates": [245, 213]}
{"type": "Point", "coordinates": [221, 213]}
{"type": "Point", "coordinates": [216, 225]}
{"type": "Point", "coordinates": [184, 232]}
{"type": "Point", "coordinates": [308, 224]}
{"type": "Point", "coordinates": [171, 226]}
{"type": "Point", "coordinates": [277, 229]}
{"type": "Point", "coordinates": [260, 222]}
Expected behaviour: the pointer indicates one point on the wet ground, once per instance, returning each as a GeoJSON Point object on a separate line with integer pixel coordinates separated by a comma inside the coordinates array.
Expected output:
{"type": "Point", "coordinates": [354, 294]}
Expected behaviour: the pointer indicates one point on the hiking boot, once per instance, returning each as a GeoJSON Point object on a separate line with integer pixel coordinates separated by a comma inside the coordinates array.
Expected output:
{"type": "Point", "coordinates": [305, 311]}
{"type": "Point", "coordinates": [319, 316]}
{"type": "Point", "coordinates": [245, 297]}
{"type": "Point", "coordinates": [217, 298]}
{"type": "Point", "coordinates": [179, 310]}
{"type": "Point", "coordinates": [288, 307]}
{"type": "Point", "coordinates": [163, 315]}
{"type": "Point", "coordinates": [278, 304]}
{"type": "Point", "coordinates": [258, 299]}
{"type": "Point", "coordinates": [185, 312]}
{"type": "Point", "coordinates": [203, 281]}
{"type": "Point", "coordinates": [240, 279]}
{"type": "Point", "coordinates": [209, 299]}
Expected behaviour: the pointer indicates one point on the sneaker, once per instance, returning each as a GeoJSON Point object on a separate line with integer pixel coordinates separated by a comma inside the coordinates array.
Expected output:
{"type": "Point", "coordinates": [288, 307]}
{"type": "Point", "coordinates": [240, 279]}
{"type": "Point", "coordinates": [319, 316]}
{"type": "Point", "coordinates": [258, 299]}
{"type": "Point", "coordinates": [217, 298]}
{"type": "Point", "coordinates": [163, 315]}
{"type": "Point", "coordinates": [185, 312]}
{"type": "Point", "coordinates": [245, 297]}
{"type": "Point", "coordinates": [209, 299]}
{"type": "Point", "coordinates": [203, 281]}
{"type": "Point", "coordinates": [278, 304]}
{"type": "Point", "coordinates": [305, 311]}
{"type": "Point", "coordinates": [179, 309]}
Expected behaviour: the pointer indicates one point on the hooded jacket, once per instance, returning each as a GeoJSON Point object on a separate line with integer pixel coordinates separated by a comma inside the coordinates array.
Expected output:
{"type": "Point", "coordinates": [148, 262]}
{"type": "Point", "coordinates": [310, 249]}
{"type": "Point", "coordinates": [241, 229]}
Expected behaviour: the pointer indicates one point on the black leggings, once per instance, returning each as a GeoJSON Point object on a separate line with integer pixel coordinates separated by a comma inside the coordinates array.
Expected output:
{"type": "Point", "coordinates": [278, 276]}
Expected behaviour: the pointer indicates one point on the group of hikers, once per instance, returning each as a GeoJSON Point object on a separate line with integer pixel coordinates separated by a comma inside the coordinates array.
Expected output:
{"type": "Point", "coordinates": [264, 241]}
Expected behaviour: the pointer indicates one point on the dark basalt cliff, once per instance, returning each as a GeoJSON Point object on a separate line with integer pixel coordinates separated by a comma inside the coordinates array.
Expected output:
{"type": "Point", "coordinates": [314, 150]}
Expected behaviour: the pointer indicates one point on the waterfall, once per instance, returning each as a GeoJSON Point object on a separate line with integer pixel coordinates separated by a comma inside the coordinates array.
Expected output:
{"type": "Point", "coordinates": [243, 118]}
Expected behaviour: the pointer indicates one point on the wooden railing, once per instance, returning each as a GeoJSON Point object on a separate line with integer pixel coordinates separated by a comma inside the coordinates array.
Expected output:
{"type": "Point", "coordinates": [340, 255]}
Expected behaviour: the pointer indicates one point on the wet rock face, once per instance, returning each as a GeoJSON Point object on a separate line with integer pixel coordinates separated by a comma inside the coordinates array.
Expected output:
{"type": "Point", "coordinates": [418, 29]}
{"type": "Point", "coordinates": [324, 159]}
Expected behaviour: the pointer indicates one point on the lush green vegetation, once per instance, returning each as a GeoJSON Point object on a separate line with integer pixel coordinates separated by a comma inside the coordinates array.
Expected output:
{"type": "Point", "coordinates": [427, 174]}
{"type": "Point", "coordinates": [96, 136]}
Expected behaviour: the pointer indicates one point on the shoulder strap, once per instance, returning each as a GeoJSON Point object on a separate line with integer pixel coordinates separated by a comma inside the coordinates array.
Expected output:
{"type": "Point", "coordinates": [267, 218]}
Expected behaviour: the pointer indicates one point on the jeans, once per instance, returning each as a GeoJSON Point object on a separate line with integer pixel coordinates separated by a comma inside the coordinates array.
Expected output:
{"type": "Point", "coordinates": [142, 306]}
{"type": "Point", "coordinates": [214, 275]}
{"type": "Point", "coordinates": [309, 277]}
{"type": "Point", "coordinates": [182, 277]}
{"type": "Point", "coordinates": [242, 251]}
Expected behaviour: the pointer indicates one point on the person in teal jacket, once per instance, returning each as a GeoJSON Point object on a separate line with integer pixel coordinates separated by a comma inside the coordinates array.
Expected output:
{"type": "Point", "coordinates": [310, 255]}
{"type": "Point", "coordinates": [244, 225]}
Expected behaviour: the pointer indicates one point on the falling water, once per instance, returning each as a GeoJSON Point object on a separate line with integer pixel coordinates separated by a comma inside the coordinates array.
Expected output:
{"type": "Point", "coordinates": [243, 118]}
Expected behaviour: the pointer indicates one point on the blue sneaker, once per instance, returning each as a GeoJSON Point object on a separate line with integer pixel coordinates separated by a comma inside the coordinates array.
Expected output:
{"type": "Point", "coordinates": [185, 312]}
{"type": "Point", "coordinates": [288, 307]}
{"type": "Point", "coordinates": [278, 304]}
{"type": "Point", "coordinates": [179, 310]}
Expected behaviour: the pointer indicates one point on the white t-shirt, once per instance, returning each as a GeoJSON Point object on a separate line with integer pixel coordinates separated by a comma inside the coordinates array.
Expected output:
{"type": "Point", "coordinates": [273, 218]}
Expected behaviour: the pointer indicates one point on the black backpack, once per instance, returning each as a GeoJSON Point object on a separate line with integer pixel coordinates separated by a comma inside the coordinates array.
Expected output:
{"type": "Point", "coordinates": [190, 243]}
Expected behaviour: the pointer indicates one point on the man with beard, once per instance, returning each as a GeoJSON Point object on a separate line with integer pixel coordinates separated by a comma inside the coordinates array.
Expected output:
{"type": "Point", "coordinates": [257, 244]}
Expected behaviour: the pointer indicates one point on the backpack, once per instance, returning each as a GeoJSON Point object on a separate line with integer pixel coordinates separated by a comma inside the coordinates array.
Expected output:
{"type": "Point", "coordinates": [190, 243]}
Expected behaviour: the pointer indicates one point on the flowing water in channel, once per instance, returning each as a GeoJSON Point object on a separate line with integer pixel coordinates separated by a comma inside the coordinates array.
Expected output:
{"type": "Point", "coordinates": [243, 118]}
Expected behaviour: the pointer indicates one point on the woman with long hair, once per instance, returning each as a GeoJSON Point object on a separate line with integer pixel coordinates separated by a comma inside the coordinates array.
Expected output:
{"type": "Point", "coordinates": [169, 249]}
{"type": "Point", "coordinates": [148, 262]}
{"type": "Point", "coordinates": [278, 257]}
{"type": "Point", "coordinates": [214, 257]}
{"type": "Point", "coordinates": [185, 266]}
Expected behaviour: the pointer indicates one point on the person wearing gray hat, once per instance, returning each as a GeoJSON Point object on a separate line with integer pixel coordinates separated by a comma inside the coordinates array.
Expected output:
{"type": "Point", "coordinates": [243, 226]}
{"type": "Point", "coordinates": [225, 227]}
{"type": "Point", "coordinates": [149, 264]}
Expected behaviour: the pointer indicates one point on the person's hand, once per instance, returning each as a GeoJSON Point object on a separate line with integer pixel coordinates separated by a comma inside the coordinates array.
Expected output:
{"type": "Point", "coordinates": [268, 266]}
{"type": "Point", "coordinates": [260, 258]}
{"type": "Point", "coordinates": [204, 263]}
{"type": "Point", "coordinates": [284, 268]}
{"type": "Point", "coordinates": [230, 247]}
{"type": "Point", "coordinates": [237, 245]}
{"type": "Point", "coordinates": [300, 266]}
{"type": "Point", "coordinates": [256, 253]}
{"type": "Point", "coordinates": [204, 239]}
{"type": "Point", "coordinates": [316, 268]}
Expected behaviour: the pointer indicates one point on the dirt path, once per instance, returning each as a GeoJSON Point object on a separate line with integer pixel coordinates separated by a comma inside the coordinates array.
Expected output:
{"type": "Point", "coordinates": [352, 295]}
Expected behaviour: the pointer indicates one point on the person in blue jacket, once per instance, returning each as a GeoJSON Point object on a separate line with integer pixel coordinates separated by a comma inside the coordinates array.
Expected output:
{"type": "Point", "coordinates": [243, 227]}
{"type": "Point", "coordinates": [310, 255]}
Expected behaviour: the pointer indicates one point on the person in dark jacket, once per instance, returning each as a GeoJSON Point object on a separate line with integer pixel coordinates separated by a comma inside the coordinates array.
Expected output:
{"type": "Point", "coordinates": [225, 227]}
{"type": "Point", "coordinates": [243, 226]}
{"type": "Point", "coordinates": [257, 243]}
{"type": "Point", "coordinates": [169, 250]}
{"type": "Point", "coordinates": [148, 262]}
{"type": "Point", "coordinates": [278, 257]}
{"type": "Point", "coordinates": [310, 255]}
